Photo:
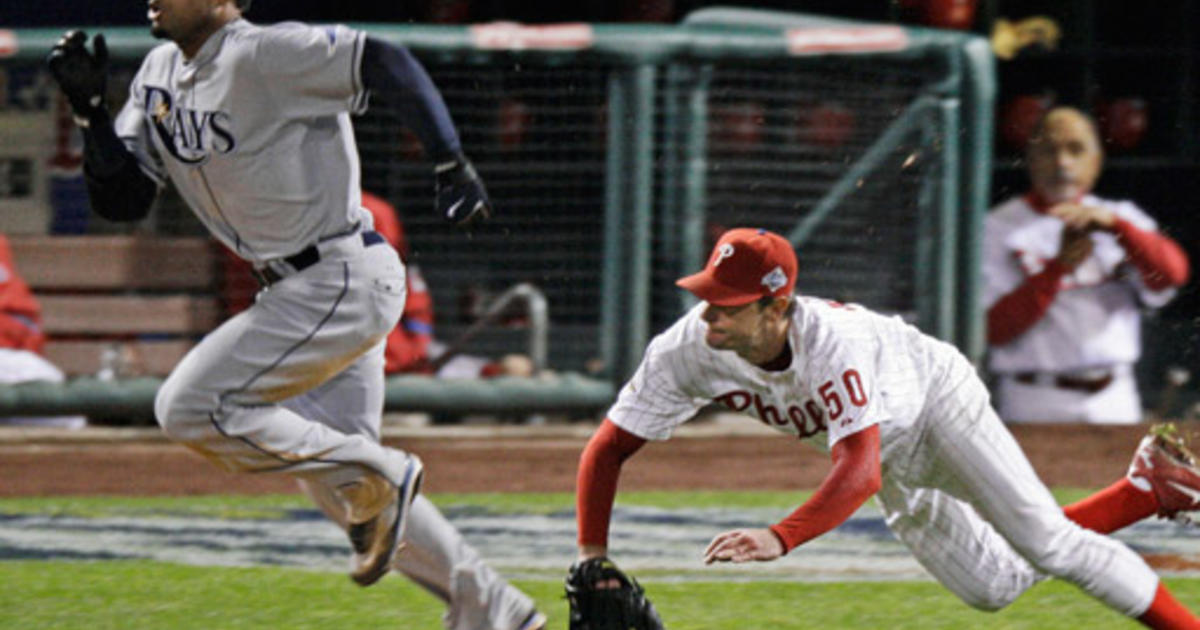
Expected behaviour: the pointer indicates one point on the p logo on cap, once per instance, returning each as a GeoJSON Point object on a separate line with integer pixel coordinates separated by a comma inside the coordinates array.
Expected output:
{"type": "Point", "coordinates": [745, 265]}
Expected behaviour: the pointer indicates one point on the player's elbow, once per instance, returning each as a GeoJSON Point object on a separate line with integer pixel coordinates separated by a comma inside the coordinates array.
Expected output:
{"type": "Point", "coordinates": [872, 484]}
{"type": "Point", "coordinates": [126, 196]}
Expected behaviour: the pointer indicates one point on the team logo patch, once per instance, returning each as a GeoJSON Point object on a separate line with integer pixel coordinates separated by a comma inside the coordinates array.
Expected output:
{"type": "Point", "coordinates": [725, 251]}
{"type": "Point", "coordinates": [189, 135]}
{"type": "Point", "coordinates": [775, 279]}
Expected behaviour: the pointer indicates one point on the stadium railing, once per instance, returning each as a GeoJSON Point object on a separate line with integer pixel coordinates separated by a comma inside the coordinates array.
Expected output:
{"type": "Point", "coordinates": [612, 152]}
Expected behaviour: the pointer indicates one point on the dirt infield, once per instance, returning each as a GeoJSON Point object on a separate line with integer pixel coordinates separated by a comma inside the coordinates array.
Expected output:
{"type": "Point", "coordinates": [713, 455]}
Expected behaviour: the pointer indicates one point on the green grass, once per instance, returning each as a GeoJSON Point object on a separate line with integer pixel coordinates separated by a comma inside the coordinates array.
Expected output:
{"type": "Point", "coordinates": [146, 595]}
{"type": "Point", "coordinates": [265, 506]}
{"type": "Point", "coordinates": [140, 595]}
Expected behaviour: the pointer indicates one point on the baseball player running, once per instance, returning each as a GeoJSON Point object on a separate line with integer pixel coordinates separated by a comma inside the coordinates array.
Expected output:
{"type": "Point", "coordinates": [251, 125]}
{"type": "Point", "coordinates": [904, 416]}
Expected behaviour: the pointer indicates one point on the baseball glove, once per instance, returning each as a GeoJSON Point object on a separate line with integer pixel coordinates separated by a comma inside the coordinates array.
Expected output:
{"type": "Point", "coordinates": [602, 597]}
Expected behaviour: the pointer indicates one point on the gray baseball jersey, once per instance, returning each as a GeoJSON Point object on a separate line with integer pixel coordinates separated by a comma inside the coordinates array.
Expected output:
{"type": "Point", "coordinates": [255, 133]}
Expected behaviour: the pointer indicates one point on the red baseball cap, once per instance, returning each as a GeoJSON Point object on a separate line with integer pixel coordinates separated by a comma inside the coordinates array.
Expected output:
{"type": "Point", "coordinates": [746, 264]}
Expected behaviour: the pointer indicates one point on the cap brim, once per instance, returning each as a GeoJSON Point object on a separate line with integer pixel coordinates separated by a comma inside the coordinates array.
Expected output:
{"type": "Point", "coordinates": [705, 287]}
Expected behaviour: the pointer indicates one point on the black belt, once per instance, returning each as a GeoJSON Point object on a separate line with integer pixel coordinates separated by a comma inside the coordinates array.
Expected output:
{"type": "Point", "coordinates": [1088, 385]}
{"type": "Point", "coordinates": [306, 258]}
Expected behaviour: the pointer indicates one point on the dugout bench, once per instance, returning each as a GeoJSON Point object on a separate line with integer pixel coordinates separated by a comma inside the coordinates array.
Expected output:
{"type": "Point", "coordinates": [154, 297]}
{"type": "Point", "coordinates": [149, 298]}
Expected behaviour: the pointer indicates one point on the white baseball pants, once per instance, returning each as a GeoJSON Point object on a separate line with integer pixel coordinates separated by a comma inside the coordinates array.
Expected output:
{"type": "Point", "coordinates": [1119, 403]}
{"type": "Point", "coordinates": [977, 517]}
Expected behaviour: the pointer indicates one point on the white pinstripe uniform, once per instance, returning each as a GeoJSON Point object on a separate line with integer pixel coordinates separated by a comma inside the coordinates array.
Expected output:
{"type": "Point", "coordinates": [957, 488]}
{"type": "Point", "coordinates": [255, 134]}
{"type": "Point", "coordinates": [1094, 323]}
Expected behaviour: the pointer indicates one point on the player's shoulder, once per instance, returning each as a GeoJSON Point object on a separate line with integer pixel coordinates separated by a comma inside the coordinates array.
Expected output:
{"type": "Point", "coordinates": [687, 331]}
{"type": "Point", "coordinates": [162, 55]}
{"type": "Point", "coordinates": [823, 324]}
{"type": "Point", "coordinates": [294, 33]}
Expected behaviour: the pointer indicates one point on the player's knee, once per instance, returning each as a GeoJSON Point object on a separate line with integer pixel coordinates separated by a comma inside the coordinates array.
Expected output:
{"type": "Point", "coordinates": [987, 602]}
{"type": "Point", "coordinates": [173, 411]}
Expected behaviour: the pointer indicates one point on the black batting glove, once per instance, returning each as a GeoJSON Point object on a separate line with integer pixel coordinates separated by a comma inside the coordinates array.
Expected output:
{"type": "Point", "coordinates": [459, 195]}
{"type": "Point", "coordinates": [82, 75]}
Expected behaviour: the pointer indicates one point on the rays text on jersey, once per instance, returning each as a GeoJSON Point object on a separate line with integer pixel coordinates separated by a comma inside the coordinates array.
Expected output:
{"type": "Point", "coordinates": [189, 135]}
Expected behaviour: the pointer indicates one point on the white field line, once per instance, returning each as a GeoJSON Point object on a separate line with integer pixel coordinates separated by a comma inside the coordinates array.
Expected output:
{"type": "Point", "coordinates": [655, 544]}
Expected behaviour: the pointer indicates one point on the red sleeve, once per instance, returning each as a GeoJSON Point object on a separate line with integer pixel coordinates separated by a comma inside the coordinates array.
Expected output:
{"type": "Point", "coordinates": [1160, 260]}
{"type": "Point", "coordinates": [596, 481]}
{"type": "Point", "coordinates": [855, 476]}
{"type": "Point", "coordinates": [20, 313]}
{"type": "Point", "coordinates": [1019, 310]}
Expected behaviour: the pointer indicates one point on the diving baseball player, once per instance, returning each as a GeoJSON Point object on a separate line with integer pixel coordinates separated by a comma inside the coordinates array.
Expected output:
{"type": "Point", "coordinates": [251, 125]}
{"type": "Point", "coordinates": [1066, 276]}
{"type": "Point", "coordinates": [903, 416]}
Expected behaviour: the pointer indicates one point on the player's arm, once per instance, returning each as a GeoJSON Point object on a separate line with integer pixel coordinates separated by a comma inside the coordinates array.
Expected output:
{"type": "Point", "coordinates": [460, 195]}
{"type": "Point", "coordinates": [1018, 310]}
{"type": "Point", "coordinates": [854, 477]}
{"type": "Point", "coordinates": [117, 187]}
{"type": "Point", "coordinates": [596, 484]}
{"type": "Point", "coordinates": [1161, 262]}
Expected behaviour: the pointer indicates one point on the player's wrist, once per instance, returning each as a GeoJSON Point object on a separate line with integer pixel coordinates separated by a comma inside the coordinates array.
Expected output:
{"type": "Point", "coordinates": [446, 161]}
{"type": "Point", "coordinates": [777, 531]}
{"type": "Point", "coordinates": [90, 117]}
{"type": "Point", "coordinates": [587, 552]}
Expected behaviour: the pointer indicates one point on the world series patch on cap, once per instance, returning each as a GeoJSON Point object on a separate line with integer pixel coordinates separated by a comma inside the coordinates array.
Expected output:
{"type": "Point", "coordinates": [746, 264]}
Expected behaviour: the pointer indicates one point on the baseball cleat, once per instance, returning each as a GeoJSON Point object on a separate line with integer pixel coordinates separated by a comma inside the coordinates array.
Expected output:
{"type": "Point", "coordinates": [378, 514]}
{"type": "Point", "coordinates": [535, 621]}
{"type": "Point", "coordinates": [1164, 464]}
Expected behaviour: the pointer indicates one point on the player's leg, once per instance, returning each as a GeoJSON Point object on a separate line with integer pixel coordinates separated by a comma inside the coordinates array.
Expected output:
{"type": "Point", "coordinates": [435, 554]}
{"type": "Point", "coordinates": [961, 550]}
{"type": "Point", "coordinates": [977, 460]}
{"type": "Point", "coordinates": [351, 403]}
{"type": "Point", "coordinates": [1163, 479]}
{"type": "Point", "coordinates": [223, 400]}
{"type": "Point", "coordinates": [439, 559]}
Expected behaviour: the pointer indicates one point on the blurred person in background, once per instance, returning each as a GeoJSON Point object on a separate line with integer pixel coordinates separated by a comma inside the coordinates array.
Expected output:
{"type": "Point", "coordinates": [1066, 276]}
{"type": "Point", "coordinates": [412, 347]}
{"type": "Point", "coordinates": [21, 342]}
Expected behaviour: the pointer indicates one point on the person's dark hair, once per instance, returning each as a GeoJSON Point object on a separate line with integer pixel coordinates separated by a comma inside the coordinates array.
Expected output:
{"type": "Point", "coordinates": [244, 5]}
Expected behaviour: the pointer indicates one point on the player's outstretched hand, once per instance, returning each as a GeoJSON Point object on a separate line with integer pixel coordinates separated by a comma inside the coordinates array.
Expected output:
{"type": "Point", "coordinates": [459, 195]}
{"type": "Point", "coordinates": [82, 75]}
{"type": "Point", "coordinates": [744, 545]}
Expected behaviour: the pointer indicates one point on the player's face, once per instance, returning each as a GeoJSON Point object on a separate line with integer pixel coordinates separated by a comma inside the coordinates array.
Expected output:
{"type": "Point", "coordinates": [183, 21]}
{"type": "Point", "coordinates": [747, 329]}
{"type": "Point", "coordinates": [1065, 159]}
